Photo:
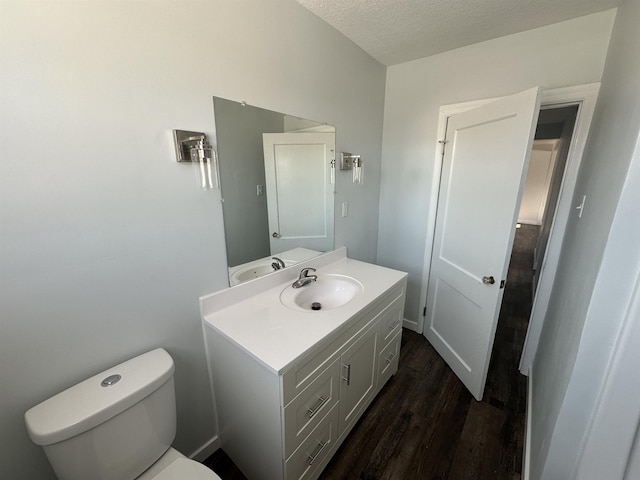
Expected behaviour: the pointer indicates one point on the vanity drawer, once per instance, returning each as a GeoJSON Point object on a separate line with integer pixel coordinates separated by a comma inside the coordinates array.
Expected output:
{"type": "Point", "coordinates": [388, 360]}
{"type": "Point", "coordinates": [314, 451]}
{"type": "Point", "coordinates": [391, 319]}
{"type": "Point", "coordinates": [308, 409]}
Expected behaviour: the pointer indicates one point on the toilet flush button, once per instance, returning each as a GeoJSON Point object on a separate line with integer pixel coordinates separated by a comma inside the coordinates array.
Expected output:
{"type": "Point", "coordinates": [110, 380]}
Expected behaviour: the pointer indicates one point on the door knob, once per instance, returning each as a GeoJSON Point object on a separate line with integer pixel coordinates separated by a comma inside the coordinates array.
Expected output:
{"type": "Point", "coordinates": [275, 235]}
{"type": "Point", "coordinates": [488, 280]}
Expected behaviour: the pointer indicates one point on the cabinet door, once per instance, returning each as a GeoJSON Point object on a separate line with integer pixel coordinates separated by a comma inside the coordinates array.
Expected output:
{"type": "Point", "coordinates": [357, 385]}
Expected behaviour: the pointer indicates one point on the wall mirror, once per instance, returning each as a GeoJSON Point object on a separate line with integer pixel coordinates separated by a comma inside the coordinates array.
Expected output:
{"type": "Point", "coordinates": [277, 176]}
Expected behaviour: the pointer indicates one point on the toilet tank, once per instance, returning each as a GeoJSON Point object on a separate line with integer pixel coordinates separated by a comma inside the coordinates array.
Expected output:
{"type": "Point", "coordinates": [112, 426]}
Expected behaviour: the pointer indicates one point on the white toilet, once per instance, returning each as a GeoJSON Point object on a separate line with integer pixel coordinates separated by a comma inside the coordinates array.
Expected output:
{"type": "Point", "coordinates": [117, 425]}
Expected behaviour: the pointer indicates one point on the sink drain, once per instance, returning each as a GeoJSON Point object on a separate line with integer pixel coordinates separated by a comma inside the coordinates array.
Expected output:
{"type": "Point", "coordinates": [316, 306]}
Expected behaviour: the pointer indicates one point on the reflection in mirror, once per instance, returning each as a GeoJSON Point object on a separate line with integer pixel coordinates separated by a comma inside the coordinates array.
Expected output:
{"type": "Point", "coordinates": [277, 178]}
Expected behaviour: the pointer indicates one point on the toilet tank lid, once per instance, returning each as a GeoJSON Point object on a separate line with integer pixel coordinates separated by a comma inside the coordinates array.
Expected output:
{"type": "Point", "coordinates": [88, 404]}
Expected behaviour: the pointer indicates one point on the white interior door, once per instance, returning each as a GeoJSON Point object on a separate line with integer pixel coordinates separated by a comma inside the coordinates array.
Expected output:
{"type": "Point", "coordinates": [484, 165]}
{"type": "Point", "coordinates": [299, 190]}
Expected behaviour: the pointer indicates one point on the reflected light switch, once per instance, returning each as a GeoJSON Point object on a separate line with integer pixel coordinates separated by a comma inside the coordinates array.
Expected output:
{"type": "Point", "coordinates": [259, 190]}
{"type": "Point", "coordinates": [345, 209]}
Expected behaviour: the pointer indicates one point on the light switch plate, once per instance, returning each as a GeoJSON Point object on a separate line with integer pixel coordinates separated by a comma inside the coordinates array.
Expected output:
{"type": "Point", "coordinates": [580, 207]}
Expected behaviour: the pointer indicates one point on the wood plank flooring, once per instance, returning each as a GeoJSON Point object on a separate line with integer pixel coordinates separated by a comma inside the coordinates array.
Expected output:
{"type": "Point", "coordinates": [424, 424]}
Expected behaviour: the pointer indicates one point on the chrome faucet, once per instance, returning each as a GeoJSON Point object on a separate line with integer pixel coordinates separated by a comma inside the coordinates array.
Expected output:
{"type": "Point", "coordinates": [278, 264]}
{"type": "Point", "coordinates": [305, 278]}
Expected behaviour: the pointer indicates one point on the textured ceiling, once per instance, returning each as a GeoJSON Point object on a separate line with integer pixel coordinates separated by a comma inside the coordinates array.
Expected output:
{"type": "Point", "coordinates": [397, 31]}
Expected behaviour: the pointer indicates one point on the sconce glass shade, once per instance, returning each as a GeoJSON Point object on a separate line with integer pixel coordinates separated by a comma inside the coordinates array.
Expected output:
{"type": "Point", "coordinates": [358, 173]}
{"type": "Point", "coordinates": [349, 161]}
{"type": "Point", "coordinates": [203, 155]}
{"type": "Point", "coordinates": [332, 176]}
{"type": "Point", "coordinates": [195, 148]}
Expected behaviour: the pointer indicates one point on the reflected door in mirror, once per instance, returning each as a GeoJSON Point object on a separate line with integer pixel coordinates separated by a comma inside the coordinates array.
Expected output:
{"type": "Point", "coordinates": [299, 190]}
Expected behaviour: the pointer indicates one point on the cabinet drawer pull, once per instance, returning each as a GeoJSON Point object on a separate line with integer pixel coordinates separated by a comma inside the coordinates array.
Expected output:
{"type": "Point", "coordinates": [319, 448]}
{"type": "Point", "coordinates": [391, 357]}
{"type": "Point", "coordinates": [318, 406]}
{"type": "Point", "coordinates": [347, 378]}
{"type": "Point", "coordinates": [394, 324]}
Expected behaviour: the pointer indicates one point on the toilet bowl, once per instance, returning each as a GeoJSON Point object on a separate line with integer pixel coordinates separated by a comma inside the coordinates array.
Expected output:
{"type": "Point", "coordinates": [116, 425]}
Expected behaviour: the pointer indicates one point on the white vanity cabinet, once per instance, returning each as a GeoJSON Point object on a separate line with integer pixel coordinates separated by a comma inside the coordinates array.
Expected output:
{"type": "Point", "coordinates": [287, 424]}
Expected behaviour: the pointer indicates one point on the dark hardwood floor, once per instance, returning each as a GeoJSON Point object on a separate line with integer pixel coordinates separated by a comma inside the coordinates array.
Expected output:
{"type": "Point", "coordinates": [424, 424]}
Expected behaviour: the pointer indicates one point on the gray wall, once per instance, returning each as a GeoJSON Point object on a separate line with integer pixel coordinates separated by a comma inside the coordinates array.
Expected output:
{"type": "Point", "coordinates": [107, 242]}
{"type": "Point", "coordinates": [239, 139]}
{"type": "Point", "coordinates": [598, 268]}
{"type": "Point", "coordinates": [559, 55]}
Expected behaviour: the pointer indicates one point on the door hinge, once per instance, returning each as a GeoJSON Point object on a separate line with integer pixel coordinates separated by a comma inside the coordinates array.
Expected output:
{"type": "Point", "coordinates": [424, 311]}
{"type": "Point", "coordinates": [443, 143]}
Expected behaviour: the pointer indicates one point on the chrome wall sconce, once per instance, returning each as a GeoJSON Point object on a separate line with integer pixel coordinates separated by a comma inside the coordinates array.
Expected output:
{"type": "Point", "coordinates": [195, 148]}
{"type": "Point", "coordinates": [352, 162]}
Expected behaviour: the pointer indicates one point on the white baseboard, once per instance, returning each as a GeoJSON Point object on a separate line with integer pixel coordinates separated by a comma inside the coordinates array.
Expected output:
{"type": "Point", "coordinates": [526, 456]}
{"type": "Point", "coordinates": [202, 453]}
{"type": "Point", "coordinates": [410, 324]}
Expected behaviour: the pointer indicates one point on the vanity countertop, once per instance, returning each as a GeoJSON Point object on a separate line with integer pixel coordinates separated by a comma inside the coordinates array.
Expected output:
{"type": "Point", "coordinates": [255, 319]}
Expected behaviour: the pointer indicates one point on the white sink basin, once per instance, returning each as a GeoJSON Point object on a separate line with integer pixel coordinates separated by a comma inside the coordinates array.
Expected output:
{"type": "Point", "coordinates": [254, 270]}
{"type": "Point", "coordinates": [328, 292]}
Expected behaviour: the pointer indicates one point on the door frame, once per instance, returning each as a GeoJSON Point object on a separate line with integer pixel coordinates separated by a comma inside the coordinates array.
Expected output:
{"type": "Point", "coordinates": [583, 95]}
